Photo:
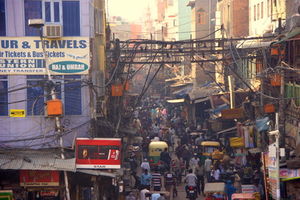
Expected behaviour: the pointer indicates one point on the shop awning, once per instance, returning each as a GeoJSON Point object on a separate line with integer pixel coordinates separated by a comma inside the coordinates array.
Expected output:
{"type": "Point", "coordinates": [204, 91]}
{"type": "Point", "coordinates": [31, 161]}
{"type": "Point", "coordinates": [175, 100]}
{"type": "Point", "coordinates": [290, 35]}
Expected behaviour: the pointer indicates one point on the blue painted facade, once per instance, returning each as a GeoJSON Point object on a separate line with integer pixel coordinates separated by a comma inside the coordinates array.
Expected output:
{"type": "Point", "coordinates": [28, 92]}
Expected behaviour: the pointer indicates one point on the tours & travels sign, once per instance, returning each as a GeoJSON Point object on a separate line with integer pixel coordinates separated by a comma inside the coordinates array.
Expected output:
{"type": "Point", "coordinates": [31, 55]}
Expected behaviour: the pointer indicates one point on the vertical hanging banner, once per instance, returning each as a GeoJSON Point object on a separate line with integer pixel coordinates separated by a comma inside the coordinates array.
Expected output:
{"type": "Point", "coordinates": [98, 153]}
{"type": "Point", "coordinates": [25, 55]}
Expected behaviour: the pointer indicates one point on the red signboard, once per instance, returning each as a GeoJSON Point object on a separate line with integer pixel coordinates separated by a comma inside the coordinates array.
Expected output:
{"type": "Point", "coordinates": [98, 153]}
{"type": "Point", "coordinates": [39, 178]}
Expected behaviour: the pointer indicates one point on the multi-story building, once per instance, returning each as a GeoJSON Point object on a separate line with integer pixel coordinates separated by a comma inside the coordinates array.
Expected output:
{"type": "Point", "coordinates": [265, 16]}
{"type": "Point", "coordinates": [234, 16]}
{"type": "Point", "coordinates": [61, 58]}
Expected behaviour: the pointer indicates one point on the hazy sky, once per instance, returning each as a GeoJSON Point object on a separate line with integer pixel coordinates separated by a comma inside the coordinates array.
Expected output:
{"type": "Point", "coordinates": [129, 9]}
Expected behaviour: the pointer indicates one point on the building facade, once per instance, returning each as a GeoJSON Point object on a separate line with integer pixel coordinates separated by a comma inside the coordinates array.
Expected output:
{"type": "Point", "coordinates": [63, 59]}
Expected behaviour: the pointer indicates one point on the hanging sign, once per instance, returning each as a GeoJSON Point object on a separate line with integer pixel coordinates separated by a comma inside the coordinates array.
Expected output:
{"type": "Point", "coordinates": [98, 153]}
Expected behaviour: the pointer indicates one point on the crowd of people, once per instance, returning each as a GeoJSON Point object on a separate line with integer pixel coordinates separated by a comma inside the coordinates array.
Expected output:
{"type": "Point", "coordinates": [154, 122]}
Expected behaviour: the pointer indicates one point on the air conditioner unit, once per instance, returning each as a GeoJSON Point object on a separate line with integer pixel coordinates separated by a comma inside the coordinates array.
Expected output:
{"type": "Point", "coordinates": [52, 31]}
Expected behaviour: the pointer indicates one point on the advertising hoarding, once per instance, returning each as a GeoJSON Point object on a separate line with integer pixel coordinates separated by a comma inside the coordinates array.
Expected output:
{"type": "Point", "coordinates": [25, 55]}
{"type": "Point", "coordinates": [98, 153]}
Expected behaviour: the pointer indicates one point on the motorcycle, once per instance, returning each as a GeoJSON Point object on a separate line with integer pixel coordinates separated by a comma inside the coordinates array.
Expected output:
{"type": "Point", "coordinates": [192, 193]}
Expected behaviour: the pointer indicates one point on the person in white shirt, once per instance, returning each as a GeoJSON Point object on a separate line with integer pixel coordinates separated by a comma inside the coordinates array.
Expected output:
{"type": "Point", "coordinates": [194, 162]}
{"type": "Point", "coordinates": [216, 174]}
{"type": "Point", "coordinates": [145, 165]}
{"type": "Point", "coordinates": [143, 194]}
{"type": "Point", "coordinates": [207, 168]}
{"type": "Point", "coordinates": [190, 180]}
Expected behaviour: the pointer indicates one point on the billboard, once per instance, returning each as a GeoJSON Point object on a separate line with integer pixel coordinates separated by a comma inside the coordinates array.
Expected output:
{"type": "Point", "coordinates": [25, 55]}
{"type": "Point", "coordinates": [98, 153]}
{"type": "Point", "coordinates": [39, 178]}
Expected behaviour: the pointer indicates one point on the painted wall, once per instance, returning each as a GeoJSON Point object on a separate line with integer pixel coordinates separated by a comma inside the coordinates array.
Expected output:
{"type": "Point", "coordinates": [184, 20]}
{"type": "Point", "coordinates": [266, 19]}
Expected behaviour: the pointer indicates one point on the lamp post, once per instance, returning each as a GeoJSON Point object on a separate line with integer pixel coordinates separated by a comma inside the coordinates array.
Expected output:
{"type": "Point", "coordinates": [39, 24]}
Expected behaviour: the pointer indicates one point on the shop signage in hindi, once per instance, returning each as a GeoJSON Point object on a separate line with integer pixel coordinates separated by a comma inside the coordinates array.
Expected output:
{"type": "Point", "coordinates": [25, 55]}
{"type": "Point", "coordinates": [39, 178]}
{"type": "Point", "coordinates": [98, 153]}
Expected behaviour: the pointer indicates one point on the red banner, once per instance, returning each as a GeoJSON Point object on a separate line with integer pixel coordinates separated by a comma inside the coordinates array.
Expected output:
{"type": "Point", "coordinates": [39, 178]}
{"type": "Point", "coordinates": [98, 153]}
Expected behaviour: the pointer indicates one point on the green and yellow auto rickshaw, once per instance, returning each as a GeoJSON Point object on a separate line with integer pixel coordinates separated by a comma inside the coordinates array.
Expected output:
{"type": "Point", "coordinates": [155, 148]}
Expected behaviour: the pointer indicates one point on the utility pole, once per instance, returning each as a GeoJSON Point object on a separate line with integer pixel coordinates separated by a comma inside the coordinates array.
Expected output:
{"type": "Point", "coordinates": [231, 90]}
{"type": "Point", "coordinates": [58, 126]}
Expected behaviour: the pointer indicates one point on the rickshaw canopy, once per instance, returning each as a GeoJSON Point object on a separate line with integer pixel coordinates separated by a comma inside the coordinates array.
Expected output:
{"type": "Point", "coordinates": [210, 143]}
{"type": "Point", "coordinates": [156, 147]}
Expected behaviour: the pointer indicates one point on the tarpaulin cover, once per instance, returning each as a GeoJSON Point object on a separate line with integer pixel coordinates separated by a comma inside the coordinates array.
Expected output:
{"type": "Point", "coordinates": [262, 124]}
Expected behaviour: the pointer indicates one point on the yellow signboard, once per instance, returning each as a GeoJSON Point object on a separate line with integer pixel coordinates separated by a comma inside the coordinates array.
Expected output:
{"type": "Point", "coordinates": [16, 113]}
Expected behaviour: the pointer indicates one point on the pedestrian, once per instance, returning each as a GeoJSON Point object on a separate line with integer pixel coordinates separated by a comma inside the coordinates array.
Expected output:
{"type": "Point", "coordinates": [145, 165]}
{"type": "Point", "coordinates": [191, 181]}
{"type": "Point", "coordinates": [229, 189]}
{"type": "Point", "coordinates": [216, 173]}
{"type": "Point", "coordinates": [170, 183]}
{"type": "Point", "coordinates": [155, 196]}
{"type": "Point", "coordinates": [146, 180]}
{"type": "Point", "coordinates": [156, 180]}
{"type": "Point", "coordinates": [237, 182]}
{"type": "Point", "coordinates": [143, 194]}
{"type": "Point", "coordinates": [130, 196]}
{"type": "Point", "coordinates": [194, 162]}
{"type": "Point", "coordinates": [162, 197]}
{"type": "Point", "coordinates": [166, 158]}
{"type": "Point", "coordinates": [199, 171]}
{"type": "Point", "coordinates": [207, 168]}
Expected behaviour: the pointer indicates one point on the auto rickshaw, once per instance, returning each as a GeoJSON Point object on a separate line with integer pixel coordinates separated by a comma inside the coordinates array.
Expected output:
{"type": "Point", "coordinates": [211, 148]}
{"type": "Point", "coordinates": [245, 196]}
{"type": "Point", "coordinates": [155, 148]}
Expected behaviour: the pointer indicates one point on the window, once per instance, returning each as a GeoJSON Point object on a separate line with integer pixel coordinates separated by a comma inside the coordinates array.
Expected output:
{"type": "Point", "coordinates": [62, 12]}
{"type": "Point", "coordinates": [52, 10]}
{"type": "Point", "coordinates": [3, 96]}
{"type": "Point", "coordinates": [262, 9]}
{"type": "Point", "coordinates": [254, 12]}
{"type": "Point", "coordinates": [2, 18]}
{"type": "Point", "coordinates": [35, 95]}
{"type": "Point", "coordinates": [33, 10]}
{"type": "Point", "coordinates": [201, 17]}
{"type": "Point", "coordinates": [67, 88]}
{"type": "Point", "coordinates": [71, 19]}
{"type": "Point", "coordinates": [258, 12]}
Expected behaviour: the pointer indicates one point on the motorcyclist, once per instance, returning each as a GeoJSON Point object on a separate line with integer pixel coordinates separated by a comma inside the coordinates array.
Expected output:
{"type": "Point", "coordinates": [191, 181]}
